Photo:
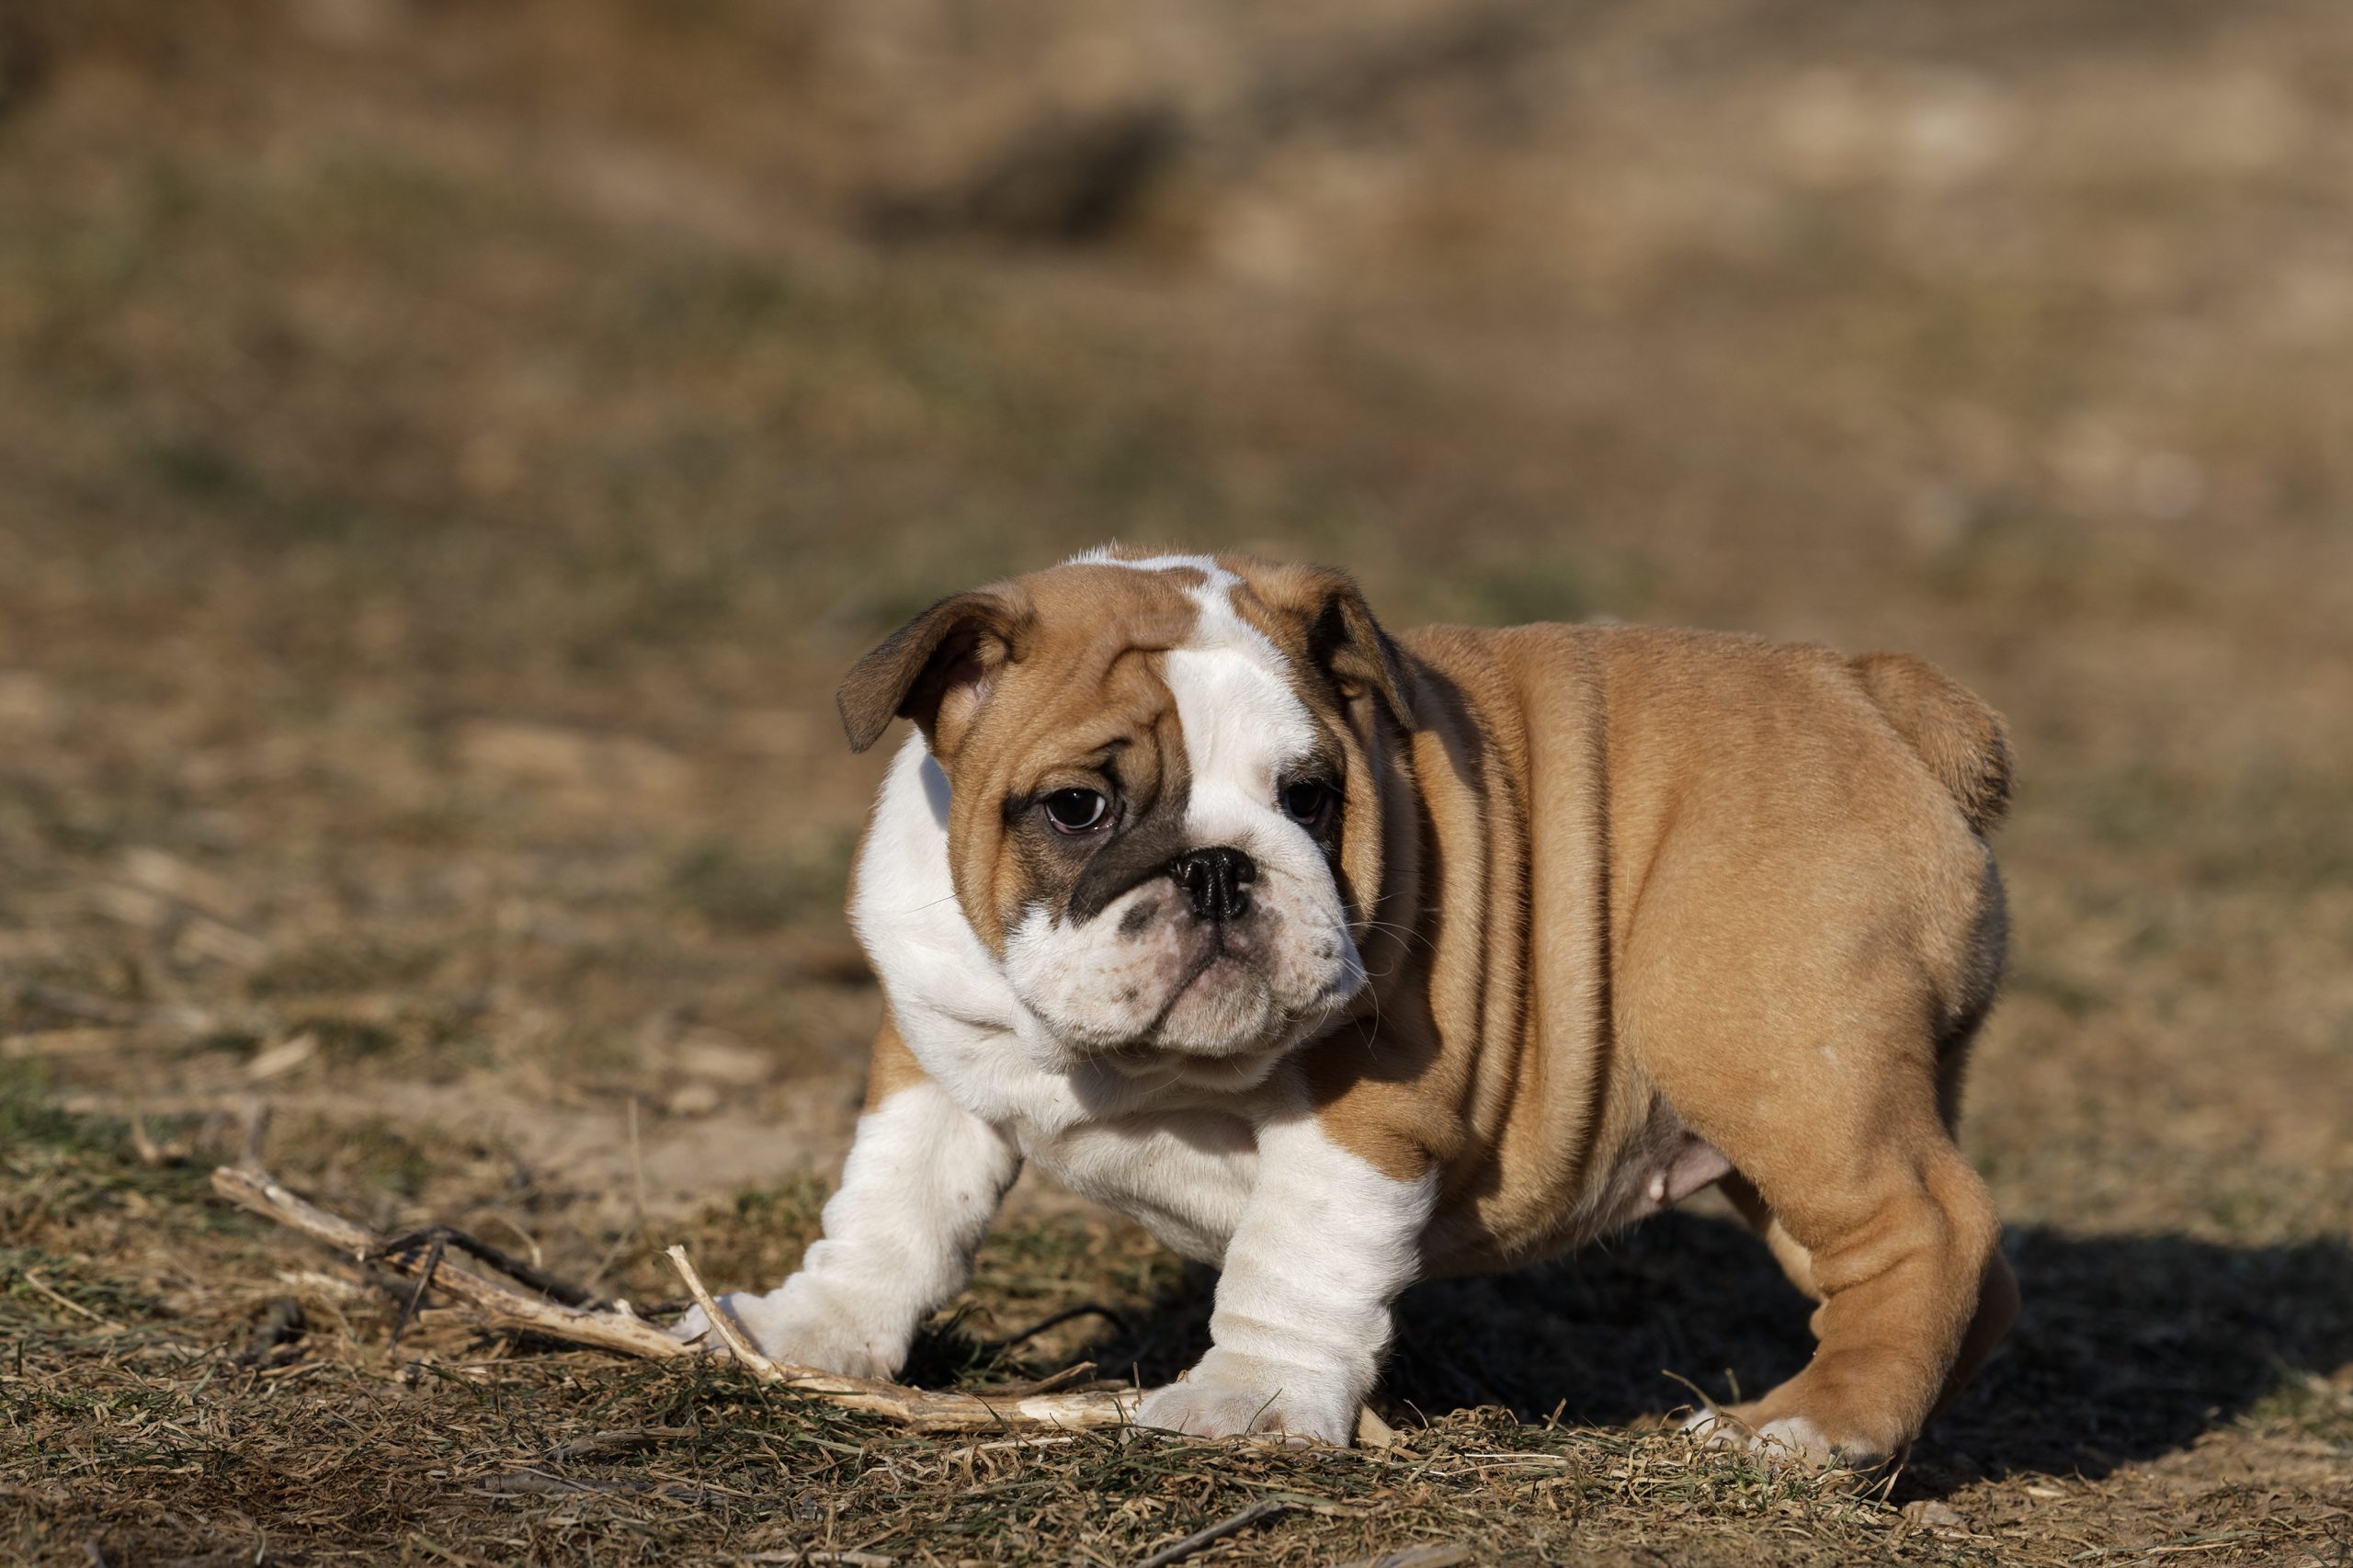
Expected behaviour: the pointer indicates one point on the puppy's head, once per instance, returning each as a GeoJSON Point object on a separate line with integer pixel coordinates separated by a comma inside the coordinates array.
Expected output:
{"type": "Point", "coordinates": [1166, 783]}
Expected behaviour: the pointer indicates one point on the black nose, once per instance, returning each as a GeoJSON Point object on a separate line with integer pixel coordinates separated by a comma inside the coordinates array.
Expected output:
{"type": "Point", "coordinates": [1216, 882]}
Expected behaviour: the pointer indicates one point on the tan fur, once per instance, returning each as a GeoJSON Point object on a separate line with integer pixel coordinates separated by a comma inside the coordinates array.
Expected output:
{"type": "Point", "coordinates": [1614, 886]}
{"type": "Point", "coordinates": [1958, 737]}
{"type": "Point", "coordinates": [1016, 680]}
{"type": "Point", "coordinates": [1677, 873]}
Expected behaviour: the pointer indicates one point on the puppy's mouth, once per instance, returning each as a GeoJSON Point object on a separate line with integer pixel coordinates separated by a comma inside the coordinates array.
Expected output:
{"type": "Point", "coordinates": [1220, 954]}
{"type": "Point", "coordinates": [1220, 962]}
{"type": "Point", "coordinates": [1170, 999]}
{"type": "Point", "coordinates": [1261, 1026]}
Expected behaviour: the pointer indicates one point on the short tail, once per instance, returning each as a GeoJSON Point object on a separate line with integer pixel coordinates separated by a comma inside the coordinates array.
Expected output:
{"type": "Point", "coordinates": [1958, 736]}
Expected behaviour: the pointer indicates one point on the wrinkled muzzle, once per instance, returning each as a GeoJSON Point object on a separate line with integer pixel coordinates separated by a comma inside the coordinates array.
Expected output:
{"type": "Point", "coordinates": [1219, 953]}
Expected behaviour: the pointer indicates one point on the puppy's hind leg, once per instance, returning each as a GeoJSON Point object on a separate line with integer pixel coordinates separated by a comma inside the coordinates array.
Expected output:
{"type": "Point", "coordinates": [1825, 1101]}
{"type": "Point", "coordinates": [1899, 1240]}
{"type": "Point", "coordinates": [1997, 1292]}
{"type": "Point", "coordinates": [1787, 1250]}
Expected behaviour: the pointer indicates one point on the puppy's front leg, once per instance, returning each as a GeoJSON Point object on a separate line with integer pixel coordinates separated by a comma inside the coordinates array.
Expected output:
{"type": "Point", "coordinates": [923, 1180]}
{"type": "Point", "coordinates": [1326, 1243]}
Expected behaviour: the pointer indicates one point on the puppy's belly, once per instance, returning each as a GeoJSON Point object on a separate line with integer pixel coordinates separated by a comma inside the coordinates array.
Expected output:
{"type": "Point", "coordinates": [1648, 1169]}
{"type": "Point", "coordinates": [1184, 1175]}
{"type": "Point", "coordinates": [1665, 1166]}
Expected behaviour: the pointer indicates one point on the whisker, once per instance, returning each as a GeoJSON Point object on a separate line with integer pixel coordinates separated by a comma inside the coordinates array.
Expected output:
{"type": "Point", "coordinates": [1405, 934]}
{"type": "Point", "coordinates": [919, 908]}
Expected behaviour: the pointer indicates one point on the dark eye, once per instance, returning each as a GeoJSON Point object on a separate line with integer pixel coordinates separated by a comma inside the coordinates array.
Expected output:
{"type": "Point", "coordinates": [1306, 799]}
{"type": "Point", "coordinates": [1077, 811]}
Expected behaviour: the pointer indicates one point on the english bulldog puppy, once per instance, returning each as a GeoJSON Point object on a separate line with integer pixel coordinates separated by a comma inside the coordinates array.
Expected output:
{"type": "Point", "coordinates": [1339, 959]}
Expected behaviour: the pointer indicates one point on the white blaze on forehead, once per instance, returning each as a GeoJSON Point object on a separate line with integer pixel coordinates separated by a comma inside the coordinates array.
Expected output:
{"type": "Point", "coordinates": [1104, 982]}
{"type": "Point", "coordinates": [1243, 728]}
{"type": "Point", "coordinates": [1243, 725]}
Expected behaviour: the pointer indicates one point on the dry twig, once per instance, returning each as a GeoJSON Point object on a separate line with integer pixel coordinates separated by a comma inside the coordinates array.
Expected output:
{"type": "Point", "coordinates": [1201, 1539]}
{"type": "Point", "coordinates": [500, 1306]}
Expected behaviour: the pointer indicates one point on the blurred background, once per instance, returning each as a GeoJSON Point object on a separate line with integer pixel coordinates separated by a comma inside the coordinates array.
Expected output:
{"type": "Point", "coordinates": [449, 452]}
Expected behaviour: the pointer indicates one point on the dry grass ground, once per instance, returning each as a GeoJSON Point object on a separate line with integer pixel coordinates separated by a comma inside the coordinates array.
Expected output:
{"type": "Point", "coordinates": [447, 452]}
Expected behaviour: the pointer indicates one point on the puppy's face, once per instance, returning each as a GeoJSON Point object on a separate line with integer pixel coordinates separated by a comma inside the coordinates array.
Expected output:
{"type": "Point", "coordinates": [1166, 783]}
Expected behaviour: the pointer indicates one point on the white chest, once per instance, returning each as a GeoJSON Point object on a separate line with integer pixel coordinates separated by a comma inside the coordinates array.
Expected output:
{"type": "Point", "coordinates": [1184, 1175]}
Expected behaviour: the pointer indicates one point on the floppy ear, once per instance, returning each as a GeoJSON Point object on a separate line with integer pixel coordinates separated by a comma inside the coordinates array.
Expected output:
{"type": "Point", "coordinates": [1346, 644]}
{"type": "Point", "coordinates": [1350, 643]}
{"type": "Point", "coordinates": [936, 670]}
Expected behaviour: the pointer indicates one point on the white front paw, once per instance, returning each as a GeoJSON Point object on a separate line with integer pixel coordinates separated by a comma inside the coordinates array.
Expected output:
{"type": "Point", "coordinates": [1229, 1395]}
{"type": "Point", "coordinates": [805, 1326]}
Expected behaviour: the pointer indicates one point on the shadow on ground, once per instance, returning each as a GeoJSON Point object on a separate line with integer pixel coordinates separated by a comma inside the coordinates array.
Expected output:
{"type": "Point", "coordinates": [2128, 1346]}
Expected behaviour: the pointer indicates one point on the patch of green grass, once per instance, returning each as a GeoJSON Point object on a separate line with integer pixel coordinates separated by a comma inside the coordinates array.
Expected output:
{"type": "Point", "coordinates": [28, 1117]}
{"type": "Point", "coordinates": [200, 471]}
{"type": "Point", "coordinates": [209, 480]}
{"type": "Point", "coordinates": [75, 1169]}
{"type": "Point", "coordinates": [68, 1291]}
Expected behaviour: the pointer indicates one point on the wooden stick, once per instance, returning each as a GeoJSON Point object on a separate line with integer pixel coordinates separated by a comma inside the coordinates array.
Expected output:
{"type": "Point", "coordinates": [721, 1323]}
{"type": "Point", "coordinates": [500, 1306]}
